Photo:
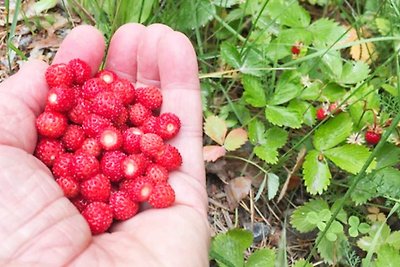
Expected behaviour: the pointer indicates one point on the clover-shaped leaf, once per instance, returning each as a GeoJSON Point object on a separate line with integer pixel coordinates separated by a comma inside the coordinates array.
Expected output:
{"type": "Point", "coordinates": [356, 227]}
{"type": "Point", "coordinates": [333, 231]}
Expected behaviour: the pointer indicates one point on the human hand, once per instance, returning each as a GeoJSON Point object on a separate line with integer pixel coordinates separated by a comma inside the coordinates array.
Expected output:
{"type": "Point", "coordinates": [39, 226]}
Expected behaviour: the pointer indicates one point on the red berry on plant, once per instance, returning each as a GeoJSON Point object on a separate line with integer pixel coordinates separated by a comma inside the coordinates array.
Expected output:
{"type": "Point", "coordinates": [372, 137]}
{"type": "Point", "coordinates": [321, 114]}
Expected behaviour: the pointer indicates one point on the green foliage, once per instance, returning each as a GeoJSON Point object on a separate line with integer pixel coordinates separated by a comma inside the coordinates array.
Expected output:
{"type": "Point", "coordinates": [317, 175]}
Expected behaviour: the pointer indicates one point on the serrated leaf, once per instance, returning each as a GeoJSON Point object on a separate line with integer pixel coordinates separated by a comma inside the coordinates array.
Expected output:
{"type": "Point", "coordinates": [212, 153]}
{"type": "Point", "coordinates": [317, 175]}
{"type": "Point", "coordinates": [354, 72]}
{"type": "Point", "coordinates": [332, 252]}
{"type": "Point", "coordinates": [256, 131]}
{"type": "Point", "coordinates": [195, 14]}
{"type": "Point", "coordinates": [302, 263]}
{"type": "Point", "coordinates": [235, 139]}
{"type": "Point", "coordinates": [253, 91]}
{"type": "Point", "coordinates": [225, 3]}
{"type": "Point", "coordinates": [332, 64]}
{"type": "Point", "coordinates": [350, 157]}
{"type": "Point", "coordinates": [333, 132]}
{"type": "Point", "coordinates": [381, 230]}
{"type": "Point", "coordinates": [261, 258]}
{"type": "Point", "coordinates": [273, 185]}
{"type": "Point", "coordinates": [342, 215]}
{"type": "Point", "coordinates": [216, 129]}
{"type": "Point", "coordinates": [394, 239]}
{"type": "Point", "coordinates": [304, 108]}
{"type": "Point", "coordinates": [299, 216]}
{"type": "Point", "coordinates": [388, 256]}
{"type": "Point", "coordinates": [383, 25]}
{"type": "Point", "coordinates": [268, 154]}
{"type": "Point", "coordinates": [276, 137]}
{"type": "Point", "coordinates": [284, 93]}
{"type": "Point", "coordinates": [283, 116]}
{"type": "Point", "coordinates": [326, 32]}
{"type": "Point", "coordinates": [388, 155]}
{"type": "Point", "coordinates": [230, 54]}
{"type": "Point", "coordinates": [288, 13]}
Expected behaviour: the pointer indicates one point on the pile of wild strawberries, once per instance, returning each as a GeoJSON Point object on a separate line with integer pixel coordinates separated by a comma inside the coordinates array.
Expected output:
{"type": "Point", "coordinates": [105, 143]}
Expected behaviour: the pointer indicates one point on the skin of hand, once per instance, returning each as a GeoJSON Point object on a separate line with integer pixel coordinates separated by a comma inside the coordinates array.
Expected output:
{"type": "Point", "coordinates": [39, 226]}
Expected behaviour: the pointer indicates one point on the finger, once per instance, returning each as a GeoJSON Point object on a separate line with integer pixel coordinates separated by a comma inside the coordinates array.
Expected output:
{"type": "Point", "coordinates": [181, 93]}
{"type": "Point", "coordinates": [122, 52]}
{"type": "Point", "coordinates": [84, 42]}
{"type": "Point", "coordinates": [147, 55]}
{"type": "Point", "coordinates": [22, 98]}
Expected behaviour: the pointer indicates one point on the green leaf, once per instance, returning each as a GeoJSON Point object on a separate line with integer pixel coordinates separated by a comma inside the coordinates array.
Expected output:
{"type": "Point", "coordinates": [316, 172]}
{"type": "Point", "coordinates": [256, 130]}
{"type": "Point", "coordinates": [326, 32]}
{"type": "Point", "coordinates": [288, 13]}
{"type": "Point", "coordinates": [302, 263]}
{"type": "Point", "coordinates": [333, 92]}
{"type": "Point", "coordinates": [350, 157]}
{"type": "Point", "coordinates": [364, 228]}
{"type": "Point", "coordinates": [333, 132]}
{"type": "Point", "coordinates": [394, 239]}
{"type": "Point", "coordinates": [332, 64]}
{"type": "Point", "coordinates": [229, 247]}
{"type": "Point", "coordinates": [332, 251]}
{"type": "Point", "coordinates": [388, 155]}
{"type": "Point", "coordinates": [353, 231]}
{"type": "Point", "coordinates": [304, 108]}
{"type": "Point", "coordinates": [276, 137]}
{"type": "Point", "coordinates": [253, 91]}
{"type": "Point", "coordinates": [282, 116]}
{"type": "Point", "coordinates": [268, 154]}
{"type": "Point", "coordinates": [261, 258]}
{"type": "Point", "coordinates": [354, 72]}
{"type": "Point", "coordinates": [43, 5]}
{"type": "Point", "coordinates": [387, 182]}
{"type": "Point", "coordinates": [354, 221]}
{"type": "Point", "coordinates": [273, 185]}
{"type": "Point", "coordinates": [230, 54]}
{"type": "Point", "coordinates": [381, 231]}
{"type": "Point", "coordinates": [287, 88]}
{"type": "Point", "coordinates": [383, 25]}
{"type": "Point", "coordinates": [388, 256]}
{"type": "Point", "coordinates": [299, 216]}
{"type": "Point", "coordinates": [194, 14]}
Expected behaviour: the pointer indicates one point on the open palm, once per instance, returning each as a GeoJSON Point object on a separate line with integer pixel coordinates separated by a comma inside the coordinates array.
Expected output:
{"type": "Point", "coordinates": [40, 227]}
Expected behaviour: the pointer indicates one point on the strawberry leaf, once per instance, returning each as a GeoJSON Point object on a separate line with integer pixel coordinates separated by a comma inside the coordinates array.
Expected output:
{"type": "Point", "coordinates": [216, 129]}
{"type": "Point", "coordinates": [268, 154]}
{"type": "Point", "coordinates": [273, 185]}
{"type": "Point", "coordinates": [333, 132]}
{"type": "Point", "coordinates": [316, 172]}
{"type": "Point", "coordinates": [194, 14]}
{"type": "Point", "coordinates": [332, 64]}
{"type": "Point", "coordinates": [354, 72]}
{"type": "Point", "coordinates": [304, 108]}
{"type": "Point", "coordinates": [230, 55]}
{"type": "Point", "coordinates": [326, 32]}
{"type": "Point", "coordinates": [284, 92]}
{"type": "Point", "coordinates": [299, 217]}
{"type": "Point", "coordinates": [261, 257]}
{"type": "Point", "coordinates": [288, 13]}
{"type": "Point", "coordinates": [349, 157]}
{"type": "Point", "coordinates": [275, 138]}
{"type": "Point", "coordinates": [256, 132]}
{"type": "Point", "coordinates": [235, 139]}
{"type": "Point", "coordinates": [253, 91]}
{"type": "Point", "coordinates": [283, 116]}
{"type": "Point", "coordinates": [212, 153]}
{"type": "Point", "coordinates": [388, 256]}
{"type": "Point", "coordinates": [302, 263]}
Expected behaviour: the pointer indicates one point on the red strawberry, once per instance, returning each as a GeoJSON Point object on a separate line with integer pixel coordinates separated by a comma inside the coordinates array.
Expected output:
{"type": "Point", "coordinates": [372, 137]}
{"type": "Point", "coordinates": [99, 216]}
{"type": "Point", "coordinates": [91, 146]}
{"type": "Point", "coordinates": [107, 105]}
{"type": "Point", "coordinates": [134, 165]}
{"type": "Point", "coordinates": [97, 188]}
{"type": "Point", "coordinates": [138, 114]}
{"type": "Point", "coordinates": [138, 189]}
{"type": "Point", "coordinates": [151, 144]}
{"type": "Point", "coordinates": [321, 114]}
{"type": "Point", "coordinates": [92, 87]}
{"type": "Point", "coordinates": [111, 165]}
{"type": "Point", "coordinates": [59, 74]}
{"type": "Point", "coordinates": [80, 203]}
{"type": "Point", "coordinates": [84, 166]}
{"type": "Point", "coordinates": [169, 157]}
{"type": "Point", "coordinates": [167, 126]}
{"type": "Point", "coordinates": [150, 97]}
{"type": "Point", "coordinates": [80, 111]}
{"type": "Point", "coordinates": [157, 173]}
{"type": "Point", "coordinates": [295, 49]}
{"type": "Point", "coordinates": [110, 138]}
{"type": "Point", "coordinates": [131, 143]}
{"type": "Point", "coordinates": [51, 124]}
{"type": "Point", "coordinates": [149, 125]}
{"type": "Point", "coordinates": [162, 196]}
{"type": "Point", "coordinates": [124, 90]}
{"type": "Point", "coordinates": [69, 186]}
{"type": "Point", "coordinates": [81, 70]}
{"type": "Point", "coordinates": [122, 118]}
{"type": "Point", "coordinates": [123, 207]}
{"type": "Point", "coordinates": [73, 137]}
{"type": "Point", "coordinates": [60, 98]}
{"type": "Point", "coordinates": [47, 150]}
{"type": "Point", "coordinates": [94, 124]}
{"type": "Point", "coordinates": [62, 165]}
{"type": "Point", "coordinates": [107, 76]}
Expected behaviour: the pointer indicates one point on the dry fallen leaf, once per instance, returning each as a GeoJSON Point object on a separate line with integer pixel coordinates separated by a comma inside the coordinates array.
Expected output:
{"type": "Point", "coordinates": [236, 190]}
{"type": "Point", "coordinates": [216, 129]}
{"type": "Point", "coordinates": [212, 153]}
{"type": "Point", "coordinates": [235, 139]}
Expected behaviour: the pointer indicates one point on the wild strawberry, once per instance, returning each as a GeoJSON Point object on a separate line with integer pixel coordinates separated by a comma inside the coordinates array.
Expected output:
{"type": "Point", "coordinates": [372, 137]}
{"type": "Point", "coordinates": [51, 124]}
{"type": "Point", "coordinates": [122, 118]}
{"type": "Point", "coordinates": [131, 137]}
{"type": "Point", "coordinates": [321, 114]}
{"type": "Point", "coordinates": [157, 173]}
{"type": "Point", "coordinates": [167, 126]}
{"type": "Point", "coordinates": [107, 76]}
{"type": "Point", "coordinates": [81, 70]}
{"type": "Point", "coordinates": [69, 186]}
{"type": "Point", "coordinates": [91, 146]}
{"type": "Point", "coordinates": [92, 87]}
{"type": "Point", "coordinates": [134, 165]}
{"type": "Point", "coordinates": [334, 108]}
{"type": "Point", "coordinates": [94, 124]}
{"type": "Point", "coordinates": [169, 157]}
{"type": "Point", "coordinates": [122, 206]}
{"type": "Point", "coordinates": [59, 74]}
{"type": "Point", "coordinates": [79, 111]}
{"type": "Point", "coordinates": [99, 216]}
{"type": "Point", "coordinates": [138, 114]}
{"type": "Point", "coordinates": [138, 189]}
{"type": "Point", "coordinates": [110, 138]}
{"type": "Point", "coordinates": [296, 49]}
{"type": "Point", "coordinates": [62, 165]}
{"type": "Point", "coordinates": [85, 166]}
{"type": "Point", "coordinates": [111, 165]}
{"type": "Point", "coordinates": [124, 90]}
{"type": "Point", "coordinates": [47, 150]}
{"type": "Point", "coordinates": [96, 188]}
{"type": "Point", "coordinates": [150, 97]}
{"type": "Point", "coordinates": [149, 125]}
{"type": "Point", "coordinates": [60, 98]}
{"type": "Point", "coordinates": [162, 196]}
{"type": "Point", "coordinates": [107, 105]}
{"type": "Point", "coordinates": [151, 144]}
{"type": "Point", "coordinates": [80, 202]}
{"type": "Point", "coordinates": [73, 137]}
